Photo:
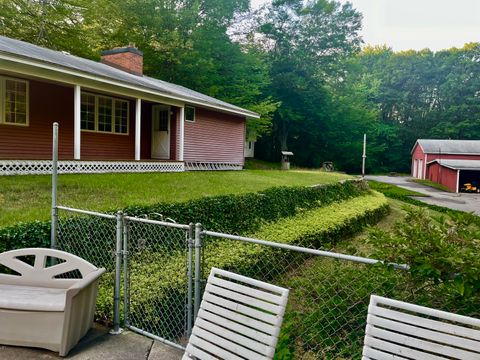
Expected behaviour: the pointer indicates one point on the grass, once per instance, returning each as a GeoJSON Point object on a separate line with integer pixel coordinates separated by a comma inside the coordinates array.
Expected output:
{"type": "Point", "coordinates": [26, 198]}
{"type": "Point", "coordinates": [392, 190]}
{"type": "Point", "coordinates": [432, 184]}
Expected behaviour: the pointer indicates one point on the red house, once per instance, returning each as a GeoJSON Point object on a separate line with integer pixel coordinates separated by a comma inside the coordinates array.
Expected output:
{"type": "Point", "coordinates": [111, 116]}
{"type": "Point", "coordinates": [448, 162]}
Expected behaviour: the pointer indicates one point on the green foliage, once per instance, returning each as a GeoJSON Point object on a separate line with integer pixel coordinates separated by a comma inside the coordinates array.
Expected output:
{"type": "Point", "coordinates": [432, 184]}
{"type": "Point", "coordinates": [328, 307]}
{"type": "Point", "coordinates": [439, 250]}
{"type": "Point", "coordinates": [27, 198]}
{"type": "Point", "coordinates": [32, 234]}
{"type": "Point", "coordinates": [240, 214]}
{"type": "Point", "coordinates": [159, 278]}
{"type": "Point", "coordinates": [230, 213]}
{"type": "Point", "coordinates": [392, 191]}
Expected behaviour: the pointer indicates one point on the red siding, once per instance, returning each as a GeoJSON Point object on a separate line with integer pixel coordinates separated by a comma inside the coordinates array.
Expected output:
{"type": "Point", "coordinates": [102, 146]}
{"type": "Point", "coordinates": [419, 156]}
{"type": "Point", "coordinates": [48, 103]}
{"type": "Point", "coordinates": [214, 137]}
{"type": "Point", "coordinates": [52, 102]}
{"type": "Point", "coordinates": [443, 175]}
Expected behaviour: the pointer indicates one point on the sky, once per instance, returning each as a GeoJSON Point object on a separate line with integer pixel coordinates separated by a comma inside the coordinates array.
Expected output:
{"type": "Point", "coordinates": [417, 24]}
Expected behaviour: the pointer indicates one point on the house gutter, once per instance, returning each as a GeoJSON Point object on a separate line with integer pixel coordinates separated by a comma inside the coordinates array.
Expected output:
{"type": "Point", "coordinates": [82, 74]}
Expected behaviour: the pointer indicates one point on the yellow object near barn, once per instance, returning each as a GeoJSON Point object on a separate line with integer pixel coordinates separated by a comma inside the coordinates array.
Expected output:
{"type": "Point", "coordinates": [470, 187]}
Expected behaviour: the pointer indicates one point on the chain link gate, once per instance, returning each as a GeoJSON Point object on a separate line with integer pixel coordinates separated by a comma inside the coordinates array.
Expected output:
{"type": "Point", "coordinates": [158, 279]}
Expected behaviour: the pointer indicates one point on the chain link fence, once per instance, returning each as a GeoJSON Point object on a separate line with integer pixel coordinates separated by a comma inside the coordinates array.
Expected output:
{"type": "Point", "coordinates": [158, 279]}
{"type": "Point", "coordinates": [329, 297]}
{"type": "Point", "coordinates": [165, 266]}
{"type": "Point", "coordinates": [93, 237]}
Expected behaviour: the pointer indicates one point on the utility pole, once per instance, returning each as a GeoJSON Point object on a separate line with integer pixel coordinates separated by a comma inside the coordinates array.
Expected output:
{"type": "Point", "coordinates": [364, 154]}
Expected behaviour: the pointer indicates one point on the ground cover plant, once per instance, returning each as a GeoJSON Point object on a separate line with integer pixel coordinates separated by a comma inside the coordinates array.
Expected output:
{"type": "Point", "coordinates": [159, 278]}
{"type": "Point", "coordinates": [327, 309]}
{"type": "Point", "coordinates": [28, 198]}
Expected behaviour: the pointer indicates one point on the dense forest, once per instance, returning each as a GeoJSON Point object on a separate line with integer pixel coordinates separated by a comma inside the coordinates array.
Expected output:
{"type": "Point", "coordinates": [301, 64]}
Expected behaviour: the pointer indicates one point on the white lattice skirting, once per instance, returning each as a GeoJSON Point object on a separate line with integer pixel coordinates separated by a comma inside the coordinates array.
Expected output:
{"type": "Point", "coordinates": [41, 167]}
{"type": "Point", "coordinates": [209, 166]}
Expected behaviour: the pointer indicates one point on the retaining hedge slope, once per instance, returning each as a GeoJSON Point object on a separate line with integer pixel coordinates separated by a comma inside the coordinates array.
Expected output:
{"type": "Point", "coordinates": [238, 214]}
{"type": "Point", "coordinates": [161, 281]}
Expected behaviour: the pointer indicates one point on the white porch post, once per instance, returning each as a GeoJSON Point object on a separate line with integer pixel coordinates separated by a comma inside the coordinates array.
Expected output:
{"type": "Point", "coordinates": [182, 134]}
{"type": "Point", "coordinates": [138, 127]}
{"type": "Point", "coordinates": [76, 122]}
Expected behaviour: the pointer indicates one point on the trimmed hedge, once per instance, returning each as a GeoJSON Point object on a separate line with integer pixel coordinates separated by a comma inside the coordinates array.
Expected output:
{"type": "Point", "coordinates": [238, 214]}
{"type": "Point", "coordinates": [161, 280]}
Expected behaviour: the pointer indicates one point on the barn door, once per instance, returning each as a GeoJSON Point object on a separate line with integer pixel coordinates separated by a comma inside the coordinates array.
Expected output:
{"type": "Point", "coordinates": [160, 132]}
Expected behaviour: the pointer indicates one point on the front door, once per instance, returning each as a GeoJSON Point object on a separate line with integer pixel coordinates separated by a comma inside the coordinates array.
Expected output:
{"type": "Point", "coordinates": [160, 132]}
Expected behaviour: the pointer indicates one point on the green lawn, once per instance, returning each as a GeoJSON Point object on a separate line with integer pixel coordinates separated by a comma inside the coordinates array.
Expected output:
{"type": "Point", "coordinates": [25, 198]}
{"type": "Point", "coordinates": [432, 184]}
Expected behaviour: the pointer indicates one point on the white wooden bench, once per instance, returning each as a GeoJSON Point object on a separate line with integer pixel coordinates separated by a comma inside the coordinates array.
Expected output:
{"type": "Point", "coordinates": [38, 307]}
{"type": "Point", "coordinates": [398, 330]}
{"type": "Point", "coordinates": [239, 318]}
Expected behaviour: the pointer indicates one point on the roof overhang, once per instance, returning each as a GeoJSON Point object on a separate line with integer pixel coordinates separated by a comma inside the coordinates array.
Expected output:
{"type": "Point", "coordinates": [45, 70]}
{"type": "Point", "coordinates": [415, 145]}
{"type": "Point", "coordinates": [459, 166]}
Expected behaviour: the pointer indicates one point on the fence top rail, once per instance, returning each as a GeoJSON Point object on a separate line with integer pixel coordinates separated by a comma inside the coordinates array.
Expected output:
{"type": "Point", "coordinates": [157, 222]}
{"type": "Point", "coordinates": [323, 253]}
{"type": "Point", "coordinates": [86, 212]}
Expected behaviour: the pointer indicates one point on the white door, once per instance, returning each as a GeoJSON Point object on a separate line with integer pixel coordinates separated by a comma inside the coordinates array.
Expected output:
{"type": "Point", "coordinates": [415, 168]}
{"type": "Point", "coordinates": [420, 169]}
{"type": "Point", "coordinates": [160, 132]}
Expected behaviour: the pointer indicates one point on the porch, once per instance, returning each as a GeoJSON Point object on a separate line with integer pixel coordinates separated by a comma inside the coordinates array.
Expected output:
{"type": "Point", "coordinates": [95, 125]}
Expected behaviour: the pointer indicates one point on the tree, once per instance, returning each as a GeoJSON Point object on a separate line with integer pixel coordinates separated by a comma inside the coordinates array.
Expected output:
{"type": "Point", "coordinates": [305, 44]}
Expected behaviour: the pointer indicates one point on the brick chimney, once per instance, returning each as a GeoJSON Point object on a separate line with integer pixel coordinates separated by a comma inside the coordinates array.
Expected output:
{"type": "Point", "coordinates": [128, 59]}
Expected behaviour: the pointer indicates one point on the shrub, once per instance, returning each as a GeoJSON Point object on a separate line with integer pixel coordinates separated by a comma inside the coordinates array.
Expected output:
{"type": "Point", "coordinates": [441, 251]}
{"type": "Point", "coordinates": [160, 279]}
{"type": "Point", "coordinates": [230, 213]}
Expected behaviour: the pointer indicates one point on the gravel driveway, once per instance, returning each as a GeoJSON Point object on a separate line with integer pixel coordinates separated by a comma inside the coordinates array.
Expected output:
{"type": "Point", "coordinates": [461, 201]}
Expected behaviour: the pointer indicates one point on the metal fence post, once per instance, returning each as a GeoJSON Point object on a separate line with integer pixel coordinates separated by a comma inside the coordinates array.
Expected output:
{"type": "Point", "coordinates": [191, 244]}
{"type": "Point", "coordinates": [54, 220]}
{"type": "Point", "coordinates": [118, 274]}
{"type": "Point", "coordinates": [198, 275]}
{"type": "Point", "coordinates": [125, 272]}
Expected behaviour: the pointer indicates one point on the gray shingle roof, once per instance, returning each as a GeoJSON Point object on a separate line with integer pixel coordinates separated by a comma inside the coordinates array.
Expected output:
{"type": "Point", "coordinates": [60, 59]}
{"type": "Point", "coordinates": [450, 146]}
{"type": "Point", "coordinates": [459, 164]}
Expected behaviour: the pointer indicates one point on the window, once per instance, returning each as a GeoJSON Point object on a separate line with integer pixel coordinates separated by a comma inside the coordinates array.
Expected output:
{"type": "Point", "coordinates": [105, 107]}
{"type": "Point", "coordinates": [104, 114]}
{"type": "Point", "coordinates": [121, 116]}
{"type": "Point", "coordinates": [14, 101]}
{"type": "Point", "coordinates": [88, 112]}
{"type": "Point", "coordinates": [189, 113]}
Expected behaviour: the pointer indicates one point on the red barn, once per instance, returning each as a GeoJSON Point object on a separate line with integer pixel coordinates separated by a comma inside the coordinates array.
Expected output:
{"type": "Point", "coordinates": [448, 162]}
{"type": "Point", "coordinates": [111, 116]}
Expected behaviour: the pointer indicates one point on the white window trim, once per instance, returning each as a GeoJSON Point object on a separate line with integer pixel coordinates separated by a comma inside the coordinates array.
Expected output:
{"type": "Point", "coordinates": [113, 132]}
{"type": "Point", "coordinates": [194, 114]}
{"type": "Point", "coordinates": [2, 102]}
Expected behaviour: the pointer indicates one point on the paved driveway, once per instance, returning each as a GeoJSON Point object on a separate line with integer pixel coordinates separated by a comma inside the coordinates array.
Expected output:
{"type": "Point", "coordinates": [461, 201]}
